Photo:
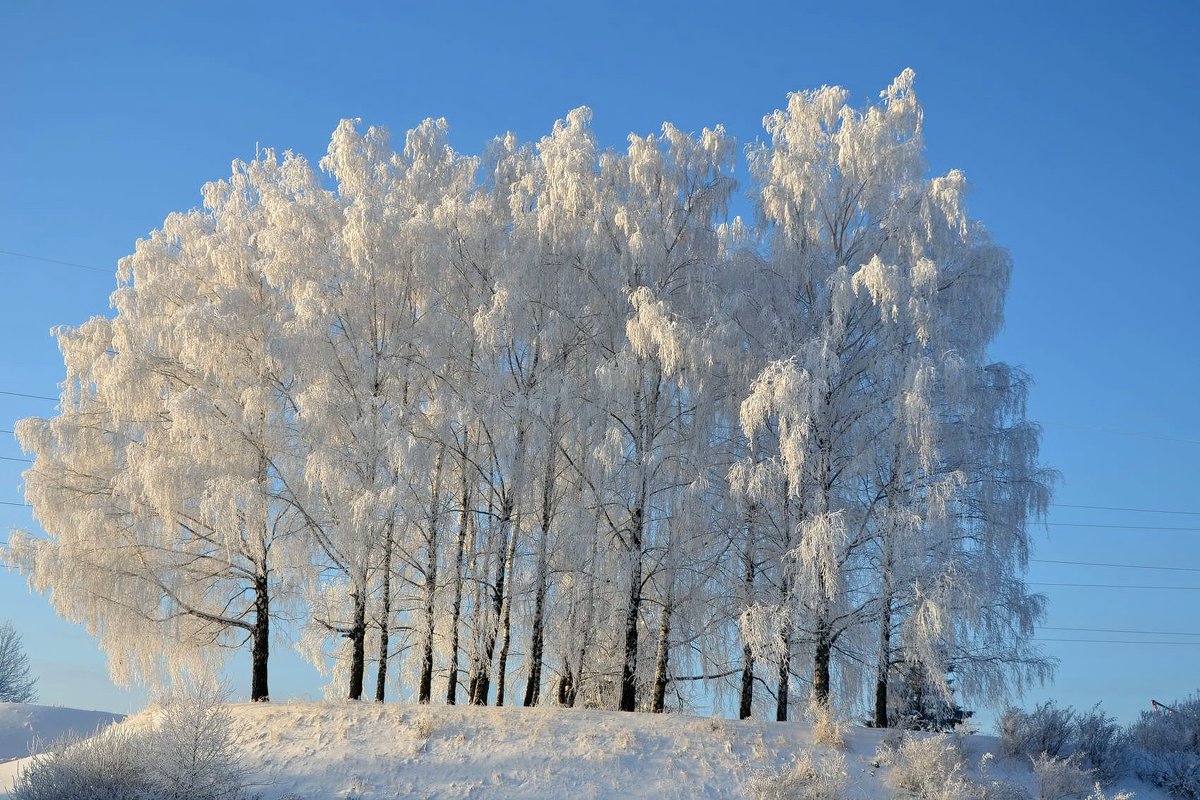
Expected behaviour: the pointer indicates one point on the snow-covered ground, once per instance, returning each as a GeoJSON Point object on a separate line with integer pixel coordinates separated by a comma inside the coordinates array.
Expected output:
{"type": "Point", "coordinates": [24, 727]}
{"type": "Point", "coordinates": [365, 751]}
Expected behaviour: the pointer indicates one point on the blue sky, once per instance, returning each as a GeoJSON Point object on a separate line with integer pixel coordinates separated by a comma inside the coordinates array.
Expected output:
{"type": "Point", "coordinates": [1077, 125]}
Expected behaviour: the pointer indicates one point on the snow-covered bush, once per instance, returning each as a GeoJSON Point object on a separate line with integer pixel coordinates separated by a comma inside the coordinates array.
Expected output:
{"type": "Point", "coordinates": [1060, 778]}
{"type": "Point", "coordinates": [828, 729]}
{"type": "Point", "coordinates": [931, 767]}
{"type": "Point", "coordinates": [1176, 773]}
{"type": "Point", "coordinates": [188, 754]}
{"type": "Point", "coordinates": [1045, 730]}
{"type": "Point", "coordinates": [108, 766]}
{"type": "Point", "coordinates": [1098, 794]}
{"type": "Point", "coordinates": [824, 778]}
{"type": "Point", "coordinates": [192, 751]}
{"type": "Point", "coordinates": [1102, 744]}
{"type": "Point", "coordinates": [1166, 748]}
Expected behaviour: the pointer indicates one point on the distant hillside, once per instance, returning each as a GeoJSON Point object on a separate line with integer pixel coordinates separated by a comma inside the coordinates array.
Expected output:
{"type": "Point", "coordinates": [22, 725]}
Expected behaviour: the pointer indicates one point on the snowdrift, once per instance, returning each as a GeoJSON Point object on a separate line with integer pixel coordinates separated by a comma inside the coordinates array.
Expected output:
{"type": "Point", "coordinates": [319, 751]}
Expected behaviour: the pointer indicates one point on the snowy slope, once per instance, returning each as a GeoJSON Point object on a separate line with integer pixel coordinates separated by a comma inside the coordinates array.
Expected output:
{"type": "Point", "coordinates": [344, 750]}
{"type": "Point", "coordinates": [22, 725]}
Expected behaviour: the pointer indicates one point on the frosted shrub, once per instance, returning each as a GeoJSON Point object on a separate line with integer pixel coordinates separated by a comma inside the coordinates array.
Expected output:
{"type": "Point", "coordinates": [931, 768]}
{"type": "Point", "coordinates": [1178, 774]}
{"type": "Point", "coordinates": [1165, 748]}
{"type": "Point", "coordinates": [1101, 744]}
{"type": "Point", "coordinates": [189, 754]}
{"type": "Point", "coordinates": [828, 729]}
{"type": "Point", "coordinates": [1045, 730]}
{"type": "Point", "coordinates": [193, 752]}
{"type": "Point", "coordinates": [1098, 794]}
{"type": "Point", "coordinates": [803, 779]}
{"type": "Point", "coordinates": [1060, 778]}
{"type": "Point", "coordinates": [108, 766]}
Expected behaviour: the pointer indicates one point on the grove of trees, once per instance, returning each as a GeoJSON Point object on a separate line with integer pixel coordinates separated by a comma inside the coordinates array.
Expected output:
{"type": "Point", "coordinates": [551, 425]}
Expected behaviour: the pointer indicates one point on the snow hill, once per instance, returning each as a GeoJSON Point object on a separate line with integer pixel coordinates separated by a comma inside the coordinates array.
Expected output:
{"type": "Point", "coordinates": [321, 751]}
{"type": "Point", "coordinates": [23, 726]}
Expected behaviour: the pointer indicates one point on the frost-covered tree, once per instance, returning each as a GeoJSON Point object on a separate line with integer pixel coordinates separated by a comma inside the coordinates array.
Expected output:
{"type": "Point", "coordinates": [17, 683]}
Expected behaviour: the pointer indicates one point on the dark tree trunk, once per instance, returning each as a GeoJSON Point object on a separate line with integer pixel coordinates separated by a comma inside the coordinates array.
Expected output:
{"type": "Point", "coordinates": [533, 686]}
{"type": "Point", "coordinates": [425, 682]}
{"type": "Point", "coordinates": [385, 615]}
{"type": "Point", "coordinates": [784, 682]}
{"type": "Point", "coordinates": [566, 687]}
{"type": "Point", "coordinates": [506, 625]}
{"type": "Point", "coordinates": [358, 643]}
{"type": "Point", "coordinates": [821, 658]}
{"type": "Point", "coordinates": [746, 697]}
{"type": "Point", "coordinates": [884, 668]}
{"type": "Point", "coordinates": [464, 521]}
{"type": "Point", "coordinates": [662, 660]}
{"type": "Point", "coordinates": [261, 644]}
{"type": "Point", "coordinates": [632, 611]}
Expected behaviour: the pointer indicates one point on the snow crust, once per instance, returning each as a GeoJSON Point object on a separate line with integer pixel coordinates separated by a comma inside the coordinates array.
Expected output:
{"type": "Point", "coordinates": [307, 751]}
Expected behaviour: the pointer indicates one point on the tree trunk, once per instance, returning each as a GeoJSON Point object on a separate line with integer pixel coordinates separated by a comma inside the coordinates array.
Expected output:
{"type": "Point", "coordinates": [884, 667]}
{"type": "Point", "coordinates": [385, 613]}
{"type": "Point", "coordinates": [566, 687]}
{"type": "Point", "coordinates": [358, 642]}
{"type": "Point", "coordinates": [506, 625]}
{"type": "Point", "coordinates": [882, 671]}
{"type": "Point", "coordinates": [261, 645]}
{"type": "Point", "coordinates": [662, 659]}
{"type": "Point", "coordinates": [632, 611]}
{"type": "Point", "coordinates": [784, 683]}
{"type": "Point", "coordinates": [425, 682]}
{"type": "Point", "coordinates": [533, 686]}
{"type": "Point", "coordinates": [464, 521]}
{"type": "Point", "coordinates": [746, 698]}
{"type": "Point", "coordinates": [821, 658]}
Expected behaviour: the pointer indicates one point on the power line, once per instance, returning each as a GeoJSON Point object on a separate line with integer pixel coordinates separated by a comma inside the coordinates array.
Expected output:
{"type": "Point", "coordinates": [1108, 564]}
{"type": "Point", "coordinates": [11, 503]}
{"type": "Point", "coordinates": [1121, 527]}
{"type": "Point", "coordinates": [1113, 586]}
{"type": "Point", "coordinates": [1137, 434]}
{"type": "Point", "coordinates": [22, 460]}
{"type": "Point", "coordinates": [1118, 630]}
{"type": "Point", "coordinates": [1120, 508]}
{"type": "Point", "coordinates": [55, 261]}
{"type": "Point", "coordinates": [23, 394]}
{"type": "Point", "coordinates": [1116, 641]}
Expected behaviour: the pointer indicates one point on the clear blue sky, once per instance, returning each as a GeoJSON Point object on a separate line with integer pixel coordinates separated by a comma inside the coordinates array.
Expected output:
{"type": "Point", "coordinates": [1076, 123]}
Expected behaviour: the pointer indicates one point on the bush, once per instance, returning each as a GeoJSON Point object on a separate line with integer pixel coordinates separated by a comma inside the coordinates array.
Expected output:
{"type": "Point", "coordinates": [828, 729]}
{"type": "Point", "coordinates": [803, 779]}
{"type": "Point", "coordinates": [1059, 778]}
{"type": "Point", "coordinates": [1166, 748]}
{"type": "Point", "coordinates": [108, 766]}
{"type": "Point", "coordinates": [1101, 744]}
{"type": "Point", "coordinates": [930, 767]}
{"type": "Point", "coordinates": [1178, 774]}
{"type": "Point", "coordinates": [189, 754]}
{"type": "Point", "coordinates": [1044, 731]}
{"type": "Point", "coordinates": [192, 750]}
